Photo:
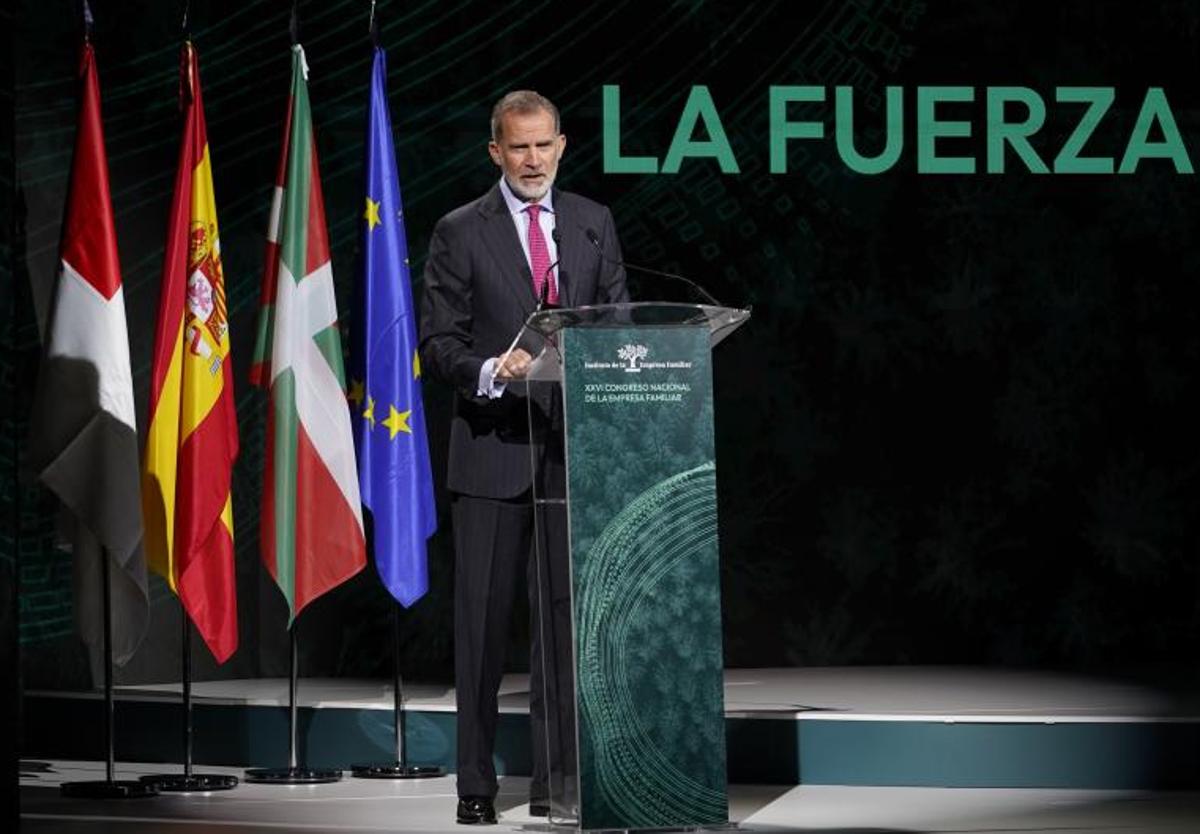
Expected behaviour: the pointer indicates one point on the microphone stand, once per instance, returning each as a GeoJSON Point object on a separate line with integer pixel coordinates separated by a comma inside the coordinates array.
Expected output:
{"type": "Point", "coordinates": [594, 239]}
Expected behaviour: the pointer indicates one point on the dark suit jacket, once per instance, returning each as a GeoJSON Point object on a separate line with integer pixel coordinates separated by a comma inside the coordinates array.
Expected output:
{"type": "Point", "coordinates": [478, 291]}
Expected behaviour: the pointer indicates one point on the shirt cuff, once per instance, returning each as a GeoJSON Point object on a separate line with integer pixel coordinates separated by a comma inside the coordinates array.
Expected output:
{"type": "Point", "coordinates": [488, 387]}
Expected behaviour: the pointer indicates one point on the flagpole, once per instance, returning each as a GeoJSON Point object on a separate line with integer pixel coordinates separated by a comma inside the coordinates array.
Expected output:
{"type": "Point", "coordinates": [109, 701]}
{"type": "Point", "coordinates": [294, 773]}
{"type": "Point", "coordinates": [87, 546]}
{"type": "Point", "coordinates": [397, 683]}
{"type": "Point", "coordinates": [188, 781]}
{"type": "Point", "coordinates": [297, 175]}
{"type": "Point", "coordinates": [110, 788]}
{"type": "Point", "coordinates": [292, 677]}
{"type": "Point", "coordinates": [400, 768]}
{"type": "Point", "coordinates": [186, 652]}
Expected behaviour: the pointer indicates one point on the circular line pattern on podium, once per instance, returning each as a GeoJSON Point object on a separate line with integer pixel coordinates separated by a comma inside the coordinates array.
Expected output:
{"type": "Point", "coordinates": [636, 574]}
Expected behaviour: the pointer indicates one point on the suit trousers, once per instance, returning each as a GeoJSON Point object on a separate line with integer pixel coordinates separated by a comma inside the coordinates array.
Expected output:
{"type": "Point", "coordinates": [494, 540]}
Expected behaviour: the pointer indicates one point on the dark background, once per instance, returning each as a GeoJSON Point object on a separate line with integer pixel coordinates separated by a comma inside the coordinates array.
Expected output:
{"type": "Point", "coordinates": [959, 428]}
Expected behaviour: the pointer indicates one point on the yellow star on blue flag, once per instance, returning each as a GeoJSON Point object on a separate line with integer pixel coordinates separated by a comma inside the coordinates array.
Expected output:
{"type": "Point", "coordinates": [371, 214]}
{"type": "Point", "coordinates": [397, 421]}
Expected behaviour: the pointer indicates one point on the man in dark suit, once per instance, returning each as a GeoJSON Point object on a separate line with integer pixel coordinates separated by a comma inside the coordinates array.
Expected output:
{"type": "Point", "coordinates": [490, 261]}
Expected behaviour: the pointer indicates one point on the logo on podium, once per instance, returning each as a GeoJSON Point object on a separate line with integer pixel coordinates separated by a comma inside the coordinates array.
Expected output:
{"type": "Point", "coordinates": [633, 354]}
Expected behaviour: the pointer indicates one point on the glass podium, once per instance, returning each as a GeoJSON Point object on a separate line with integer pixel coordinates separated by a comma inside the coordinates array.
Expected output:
{"type": "Point", "coordinates": [626, 689]}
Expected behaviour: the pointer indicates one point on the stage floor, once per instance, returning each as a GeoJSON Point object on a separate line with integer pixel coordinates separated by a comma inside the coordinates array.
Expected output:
{"type": "Point", "coordinates": [893, 693]}
{"type": "Point", "coordinates": [870, 727]}
{"type": "Point", "coordinates": [356, 805]}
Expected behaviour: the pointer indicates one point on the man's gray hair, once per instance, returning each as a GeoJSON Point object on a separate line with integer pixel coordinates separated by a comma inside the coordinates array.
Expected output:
{"type": "Point", "coordinates": [522, 101]}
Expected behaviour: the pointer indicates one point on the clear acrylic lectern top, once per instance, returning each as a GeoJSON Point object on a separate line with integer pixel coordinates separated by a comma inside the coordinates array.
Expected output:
{"type": "Point", "coordinates": [547, 367]}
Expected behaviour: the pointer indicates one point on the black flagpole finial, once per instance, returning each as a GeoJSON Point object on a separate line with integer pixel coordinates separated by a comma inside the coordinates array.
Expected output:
{"type": "Point", "coordinates": [294, 23]}
{"type": "Point", "coordinates": [88, 21]}
{"type": "Point", "coordinates": [187, 7]}
{"type": "Point", "coordinates": [373, 27]}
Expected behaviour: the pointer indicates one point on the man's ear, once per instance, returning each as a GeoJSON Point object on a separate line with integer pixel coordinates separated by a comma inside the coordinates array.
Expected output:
{"type": "Point", "coordinates": [494, 153]}
{"type": "Point", "coordinates": [562, 144]}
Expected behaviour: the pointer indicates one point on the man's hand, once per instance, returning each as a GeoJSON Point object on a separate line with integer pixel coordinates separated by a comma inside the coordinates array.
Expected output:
{"type": "Point", "coordinates": [514, 367]}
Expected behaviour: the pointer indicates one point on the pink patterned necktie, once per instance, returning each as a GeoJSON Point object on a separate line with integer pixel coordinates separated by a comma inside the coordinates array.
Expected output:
{"type": "Point", "coordinates": [539, 256]}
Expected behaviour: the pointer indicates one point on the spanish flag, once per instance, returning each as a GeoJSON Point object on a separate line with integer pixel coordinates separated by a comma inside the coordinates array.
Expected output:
{"type": "Point", "coordinates": [192, 441]}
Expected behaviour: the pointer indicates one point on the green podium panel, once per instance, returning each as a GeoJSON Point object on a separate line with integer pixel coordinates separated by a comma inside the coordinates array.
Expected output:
{"type": "Point", "coordinates": [645, 584]}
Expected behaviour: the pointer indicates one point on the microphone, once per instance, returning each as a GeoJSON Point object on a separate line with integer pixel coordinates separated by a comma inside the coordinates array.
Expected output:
{"type": "Point", "coordinates": [545, 293]}
{"type": "Point", "coordinates": [595, 240]}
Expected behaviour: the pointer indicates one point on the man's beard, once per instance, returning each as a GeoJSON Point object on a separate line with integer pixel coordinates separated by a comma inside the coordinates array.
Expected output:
{"type": "Point", "coordinates": [528, 194]}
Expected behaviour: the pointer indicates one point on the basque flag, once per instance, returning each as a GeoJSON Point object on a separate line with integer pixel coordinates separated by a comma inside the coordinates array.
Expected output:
{"type": "Point", "coordinates": [311, 531]}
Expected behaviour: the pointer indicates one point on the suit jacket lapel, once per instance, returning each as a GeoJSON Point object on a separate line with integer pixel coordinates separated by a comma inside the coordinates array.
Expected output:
{"type": "Point", "coordinates": [571, 252]}
{"type": "Point", "coordinates": [501, 239]}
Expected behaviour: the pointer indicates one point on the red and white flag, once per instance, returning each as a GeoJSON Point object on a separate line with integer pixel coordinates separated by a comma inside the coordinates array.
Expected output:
{"type": "Point", "coordinates": [84, 441]}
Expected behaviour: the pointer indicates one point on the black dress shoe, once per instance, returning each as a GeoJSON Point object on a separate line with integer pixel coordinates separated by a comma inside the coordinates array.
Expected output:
{"type": "Point", "coordinates": [476, 810]}
{"type": "Point", "coordinates": [539, 808]}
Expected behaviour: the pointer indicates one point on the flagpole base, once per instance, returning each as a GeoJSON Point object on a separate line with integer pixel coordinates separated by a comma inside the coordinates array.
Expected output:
{"type": "Point", "coordinates": [31, 769]}
{"type": "Point", "coordinates": [195, 783]}
{"type": "Point", "coordinates": [116, 789]}
{"type": "Point", "coordinates": [292, 776]}
{"type": "Point", "coordinates": [395, 770]}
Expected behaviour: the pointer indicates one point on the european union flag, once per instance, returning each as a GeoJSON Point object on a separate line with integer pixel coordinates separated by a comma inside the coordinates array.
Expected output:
{"type": "Point", "coordinates": [385, 385]}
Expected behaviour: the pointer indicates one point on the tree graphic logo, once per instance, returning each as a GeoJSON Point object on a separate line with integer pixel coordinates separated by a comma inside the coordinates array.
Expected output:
{"type": "Point", "coordinates": [633, 354]}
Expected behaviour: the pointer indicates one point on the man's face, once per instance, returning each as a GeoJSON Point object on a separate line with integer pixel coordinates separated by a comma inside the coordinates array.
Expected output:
{"type": "Point", "coordinates": [528, 152]}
